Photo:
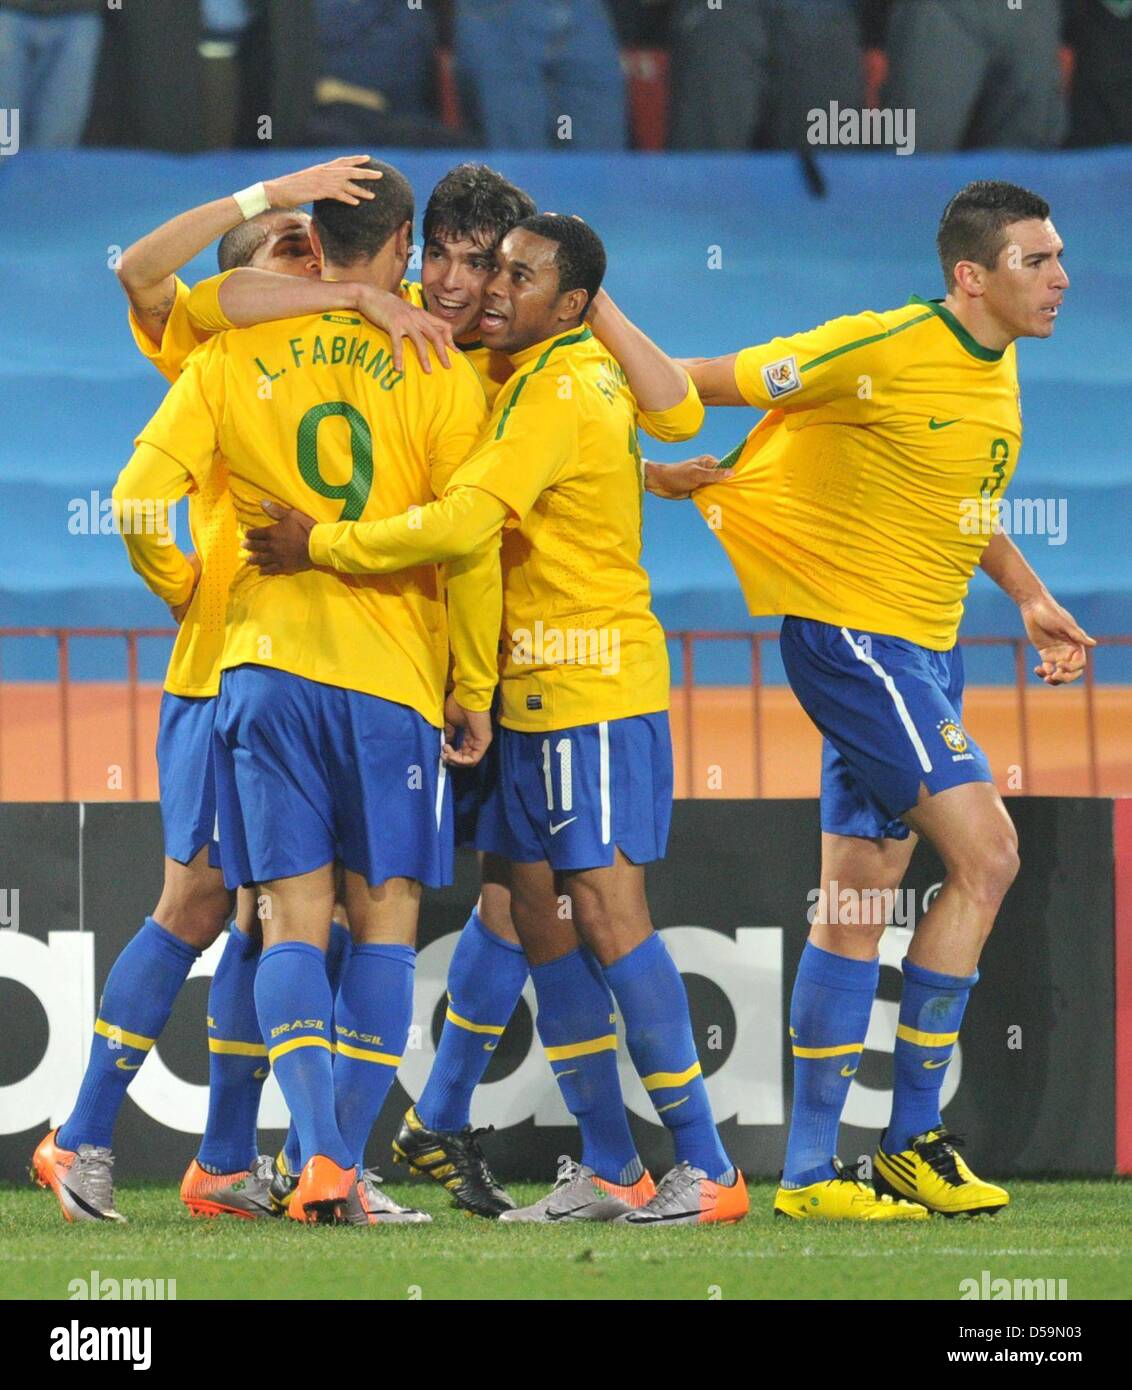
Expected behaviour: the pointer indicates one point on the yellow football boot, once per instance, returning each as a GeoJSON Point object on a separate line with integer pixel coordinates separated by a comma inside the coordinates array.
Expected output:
{"type": "Point", "coordinates": [933, 1173]}
{"type": "Point", "coordinates": [843, 1198]}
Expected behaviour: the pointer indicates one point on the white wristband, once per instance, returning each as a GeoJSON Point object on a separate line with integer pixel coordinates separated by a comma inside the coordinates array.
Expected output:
{"type": "Point", "coordinates": [252, 201]}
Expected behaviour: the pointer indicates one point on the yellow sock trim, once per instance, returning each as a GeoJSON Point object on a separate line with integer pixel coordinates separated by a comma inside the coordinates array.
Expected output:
{"type": "Point", "coordinates": [582, 1049]}
{"type": "Point", "coordinates": [913, 1035]}
{"type": "Point", "coordinates": [292, 1043]}
{"type": "Point", "coordinates": [453, 1017]}
{"type": "Point", "coordinates": [237, 1049]}
{"type": "Point", "coordinates": [661, 1080]}
{"type": "Point", "coordinates": [842, 1050]}
{"type": "Point", "coordinates": [361, 1054]}
{"type": "Point", "coordinates": [116, 1034]}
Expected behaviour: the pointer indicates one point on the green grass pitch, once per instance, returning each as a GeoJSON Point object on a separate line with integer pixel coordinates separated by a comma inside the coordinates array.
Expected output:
{"type": "Point", "coordinates": [1052, 1230]}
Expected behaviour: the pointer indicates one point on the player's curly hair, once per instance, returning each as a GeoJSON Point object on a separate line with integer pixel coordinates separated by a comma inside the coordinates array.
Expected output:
{"type": "Point", "coordinates": [472, 202]}
{"type": "Point", "coordinates": [972, 225]}
{"type": "Point", "coordinates": [580, 257]}
{"type": "Point", "coordinates": [352, 234]}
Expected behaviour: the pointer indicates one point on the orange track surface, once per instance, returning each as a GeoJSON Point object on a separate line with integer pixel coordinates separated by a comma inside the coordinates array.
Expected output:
{"type": "Point", "coordinates": [722, 762]}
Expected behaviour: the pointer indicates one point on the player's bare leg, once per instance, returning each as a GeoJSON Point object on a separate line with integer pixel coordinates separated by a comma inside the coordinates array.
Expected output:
{"type": "Point", "coordinates": [972, 833]}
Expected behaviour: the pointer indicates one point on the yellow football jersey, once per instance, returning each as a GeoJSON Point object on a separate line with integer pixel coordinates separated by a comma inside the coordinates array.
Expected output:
{"type": "Point", "coordinates": [862, 498]}
{"type": "Point", "coordinates": [580, 641]}
{"type": "Point", "coordinates": [310, 412]}
{"type": "Point", "coordinates": [492, 368]}
{"type": "Point", "coordinates": [194, 664]}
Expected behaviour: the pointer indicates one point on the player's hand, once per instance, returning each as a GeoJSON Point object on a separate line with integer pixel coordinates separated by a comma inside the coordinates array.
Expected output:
{"type": "Point", "coordinates": [477, 734]}
{"type": "Point", "coordinates": [402, 320]}
{"type": "Point", "coordinates": [1061, 642]}
{"type": "Point", "coordinates": [285, 547]}
{"type": "Point", "coordinates": [676, 481]}
{"type": "Point", "coordinates": [340, 179]}
{"type": "Point", "coordinates": [180, 609]}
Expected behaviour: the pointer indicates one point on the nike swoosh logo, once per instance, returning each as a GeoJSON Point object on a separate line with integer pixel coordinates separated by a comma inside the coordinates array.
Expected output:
{"type": "Point", "coordinates": [934, 424]}
{"type": "Point", "coordinates": [846, 1072]}
{"type": "Point", "coordinates": [562, 824]}
{"type": "Point", "coordinates": [931, 1066]}
{"type": "Point", "coordinates": [123, 1065]}
{"type": "Point", "coordinates": [261, 1073]}
{"type": "Point", "coordinates": [490, 1047]}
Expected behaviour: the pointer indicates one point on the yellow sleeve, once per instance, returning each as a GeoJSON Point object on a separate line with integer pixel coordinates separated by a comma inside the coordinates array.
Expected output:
{"type": "Point", "coordinates": [524, 451]}
{"type": "Point", "coordinates": [203, 306]}
{"type": "Point", "coordinates": [475, 617]}
{"type": "Point", "coordinates": [178, 339]}
{"type": "Point", "coordinates": [173, 454]}
{"type": "Point", "coordinates": [458, 423]}
{"type": "Point", "coordinates": [813, 368]}
{"type": "Point", "coordinates": [678, 421]}
{"type": "Point", "coordinates": [463, 521]}
{"type": "Point", "coordinates": [144, 497]}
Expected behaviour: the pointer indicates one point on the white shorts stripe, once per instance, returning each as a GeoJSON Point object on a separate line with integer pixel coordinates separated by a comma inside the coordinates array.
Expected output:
{"type": "Point", "coordinates": [606, 814]}
{"type": "Point", "coordinates": [442, 773]}
{"type": "Point", "coordinates": [897, 699]}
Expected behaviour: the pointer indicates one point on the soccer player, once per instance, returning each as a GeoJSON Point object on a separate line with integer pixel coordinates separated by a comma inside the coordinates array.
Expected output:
{"type": "Point", "coordinates": [76, 1160]}
{"type": "Point", "coordinates": [583, 797]}
{"type": "Point", "coordinates": [328, 724]}
{"type": "Point", "coordinates": [849, 513]}
{"type": "Point", "coordinates": [467, 214]}
{"type": "Point", "coordinates": [226, 1176]}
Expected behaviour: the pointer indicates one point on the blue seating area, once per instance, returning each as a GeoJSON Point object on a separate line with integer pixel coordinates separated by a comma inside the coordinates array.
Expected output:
{"type": "Point", "coordinates": [75, 391]}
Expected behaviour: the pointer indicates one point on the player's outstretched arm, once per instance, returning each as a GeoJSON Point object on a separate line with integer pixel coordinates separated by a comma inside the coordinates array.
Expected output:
{"type": "Point", "coordinates": [1059, 639]}
{"type": "Point", "coordinates": [465, 520]}
{"type": "Point", "coordinates": [655, 379]}
{"type": "Point", "coordinates": [714, 379]}
{"type": "Point", "coordinates": [147, 268]}
{"type": "Point", "coordinates": [244, 297]}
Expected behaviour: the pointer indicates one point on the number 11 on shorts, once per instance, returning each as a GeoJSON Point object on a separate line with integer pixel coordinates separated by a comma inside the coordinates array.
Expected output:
{"type": "Point", "coordinates": [565, 774]}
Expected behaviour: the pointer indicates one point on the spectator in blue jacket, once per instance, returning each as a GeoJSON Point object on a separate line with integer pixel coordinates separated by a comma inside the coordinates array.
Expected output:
{"type": "Point", "coordinates": [542, 73]}
{"type": "Point", "coordinates": [48, 55]}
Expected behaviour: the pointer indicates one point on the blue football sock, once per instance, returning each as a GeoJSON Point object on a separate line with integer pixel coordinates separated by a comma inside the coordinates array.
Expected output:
{"type": "Point", "coordinates": [658, 1032]}
{"type": "Point", "coordinates": [931, 1011]}
{"type": "Point", "coordinates": [135, 1006]}
{"type": "Point", "coordinates": [575, 1024]}
{"type": "Point", "coordinates": [372, 1015]}
{"type": "Point", "coordinates": [485, 979]}
{"type": "Point", "coordinates": [294, 1007]}
{"type": "Point", "coordinates": [829, 1017]}
{"type": "Point", "coordinates": [237, 1060]}
{"type": "Point", "coordinates": [337, 954]}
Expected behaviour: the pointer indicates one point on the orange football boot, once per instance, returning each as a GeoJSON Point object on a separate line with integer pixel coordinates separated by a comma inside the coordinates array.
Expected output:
{"type": "Point", "coordinates": [246, 1194]}
{"type": "Point", "coordinates": [80, 1179]}
{"type": "Point", "coordinates": [322, 1193]}
{"type": "Point", "coordinates": [686, 1196]}
{"type": "Point", "coordinates": [639, 1194]}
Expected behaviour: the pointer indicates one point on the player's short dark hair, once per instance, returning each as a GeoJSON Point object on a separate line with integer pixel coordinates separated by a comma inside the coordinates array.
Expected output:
{"type": "Point", "coordinates": [580, 257]}
{"type": "Point", "coordinates": [971, 228]}
{"type": "Point", "coordinates": [472, 202]}
{"type": "Point", "coordinates": [238, 247]}
{"type": "Point", "coordinates": [351, 234]}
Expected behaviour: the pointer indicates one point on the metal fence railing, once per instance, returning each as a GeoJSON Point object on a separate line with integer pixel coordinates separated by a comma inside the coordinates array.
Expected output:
{"type": "Point", "coordinates": [685, 704]}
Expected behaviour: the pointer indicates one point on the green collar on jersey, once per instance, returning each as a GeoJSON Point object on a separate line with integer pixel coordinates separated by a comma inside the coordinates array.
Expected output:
{"type": "Point", "coordinates": [975, 348]}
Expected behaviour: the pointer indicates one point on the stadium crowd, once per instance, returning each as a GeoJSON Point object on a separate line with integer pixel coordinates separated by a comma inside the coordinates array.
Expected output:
{"type": "Point", "coordinates": [585, 74]}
